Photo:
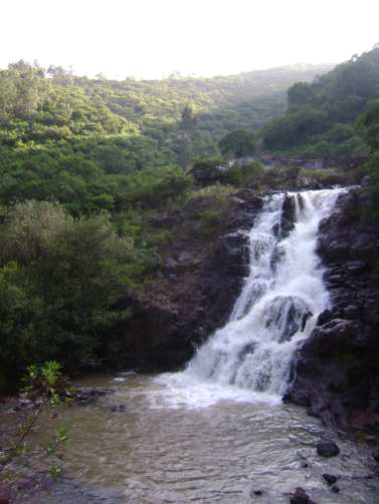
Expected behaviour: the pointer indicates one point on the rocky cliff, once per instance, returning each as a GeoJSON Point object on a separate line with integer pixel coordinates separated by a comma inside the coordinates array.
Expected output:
{"type": "Point", "coordinates": [336, 372]}
{"type": "Point", "coordinates": [193, 293]}
{"type": "Point", "coordinates": [336, 375]}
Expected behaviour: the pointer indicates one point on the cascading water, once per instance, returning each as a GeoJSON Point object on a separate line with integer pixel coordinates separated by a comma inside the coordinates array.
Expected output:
{"type": "Point", "coordinates": [277, 309]}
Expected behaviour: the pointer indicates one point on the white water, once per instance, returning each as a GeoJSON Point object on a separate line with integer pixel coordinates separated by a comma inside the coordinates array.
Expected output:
{"type": "Point", "coordinates": [250, 358]}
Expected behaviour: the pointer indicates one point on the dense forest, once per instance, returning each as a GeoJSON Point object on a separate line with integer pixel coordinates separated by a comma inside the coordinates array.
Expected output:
{"type": "Point", "coordinates": [322, 120]}
{"type": "Point", "coordinates": [88, 135]}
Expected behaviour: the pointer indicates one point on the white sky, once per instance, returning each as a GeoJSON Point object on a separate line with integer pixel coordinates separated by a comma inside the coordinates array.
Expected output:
{"type": "Point", "coordinates": [151, 38]}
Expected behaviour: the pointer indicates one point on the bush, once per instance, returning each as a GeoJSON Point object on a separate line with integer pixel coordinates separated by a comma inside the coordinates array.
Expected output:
{"type": "Point", "coordinates": [242, 176]}
{"type": "Point", "coordinates": [59, 280]}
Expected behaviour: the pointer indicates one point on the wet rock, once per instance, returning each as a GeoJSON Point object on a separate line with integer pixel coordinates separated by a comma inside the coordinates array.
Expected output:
{"type": "Point", "coordinates": [23, 404]}
{"type": "Point", "coordinates": [308, 183]}
{"type": "Point", "coordinates": [366, 181]}
{"type": "Point", "coordinates": [352, 312]}
{"type": "Point", "coordinates": [288, 215]}
{"type": "Point", "coordinates": [185, 259]}
{"type": "Point", "coordinates": [257, 493]}
{"type": "Point", "coordinates": [300, 497]}
{"type": "Point", "coordinates": [330, 479]}
{"type": "Point", "coordinates": [339, 335]}
{"type": "Point", "coordinates": [235, 252]}
{"type": "Point", "coordinates": [324, 317]}
{"type": "Point", "coordinates": [118, 408]}
{"type": "Point", "coordinates": [170, 263]}
{"type": "Point", "coordinates": [238, 201]}
{"type": "Point", "coordinates": [327, 449]}
{"type": "Point", "coordinates": [285, 316]}
{"type": "Point", "coordinates": [86, 397]}
{"type": "Point", "coordinates": [5, 494]}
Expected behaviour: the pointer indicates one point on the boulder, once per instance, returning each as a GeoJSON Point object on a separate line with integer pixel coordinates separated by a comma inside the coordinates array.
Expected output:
{"type": "Point", "coordinates": [330, 479]}
{"type": "Point", "coordinates": [257, 493]}
{"type": "Point", "coordinates": [327, 449]}
{"type": "Point", "coordinates": [300, 497]}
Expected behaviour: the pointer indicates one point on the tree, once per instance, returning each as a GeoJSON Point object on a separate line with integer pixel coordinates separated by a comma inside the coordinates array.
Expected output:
{"type": "Point", "coordinates": [188, 118]}
{"type": "Point", "coordinates": [299, 94]}
{"type": "Point", "coordinates": [59, 280]}
{"type": "Point", "coordinates": [295, 129]}
{"type": "Point", "coordinates": [239, 143]}
{"type": "Point", "coordinates": [369, 124]}
{"type": "Point", "coordinates": [187, 125]}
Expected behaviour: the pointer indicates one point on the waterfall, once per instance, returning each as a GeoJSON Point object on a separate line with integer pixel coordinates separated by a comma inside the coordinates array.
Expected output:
{"type": "Point", "coordinates": [276, 310]}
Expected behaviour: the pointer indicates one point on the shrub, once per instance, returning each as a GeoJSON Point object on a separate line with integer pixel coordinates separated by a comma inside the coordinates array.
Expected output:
{"type": "Point", "coordinates": [59, 280]}
{"type": "Point", "coordinates": [241, 176]}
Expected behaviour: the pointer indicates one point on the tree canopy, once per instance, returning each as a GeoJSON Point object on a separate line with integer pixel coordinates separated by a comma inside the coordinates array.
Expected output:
{"type": "Point", "coordinates": [239, 143]}
{"type": "Point", "coordinates": [320, 111]}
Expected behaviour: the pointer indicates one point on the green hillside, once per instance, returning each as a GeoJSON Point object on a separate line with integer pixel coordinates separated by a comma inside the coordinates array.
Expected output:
{"type": "Point", "coordinates": [87, 165]}
{"type": "Point", "coordinates": [321, 116]}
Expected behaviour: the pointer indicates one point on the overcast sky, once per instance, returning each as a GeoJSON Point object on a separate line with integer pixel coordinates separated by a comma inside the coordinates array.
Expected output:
{"type": "Point", "coordinates": [152, 38]}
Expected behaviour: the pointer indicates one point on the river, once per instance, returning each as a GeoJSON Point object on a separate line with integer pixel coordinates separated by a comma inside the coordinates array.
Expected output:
{"type": "Point", "coordinates": [162, 450]}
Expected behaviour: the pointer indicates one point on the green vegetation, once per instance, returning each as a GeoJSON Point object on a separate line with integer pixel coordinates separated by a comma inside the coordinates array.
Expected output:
{"type": "Point", "coordinates": [59, 280]}
{"type": "Point", "coordinates": [238, 144]}
{"type": "Point", "coordinates": [48, 388]}
{"type": "Point", "coordinates": [86, 168]}
{"type": "Point", "coordinates": [321, 117]}
{"type": "Point", "coordinates": [50, 117]}
{"type": "Point", "coordinates": [369, 124]}
{"type": "Point", "coordinates": [242, 176]}
{"type": "Point", "coordinates": [216, 170]}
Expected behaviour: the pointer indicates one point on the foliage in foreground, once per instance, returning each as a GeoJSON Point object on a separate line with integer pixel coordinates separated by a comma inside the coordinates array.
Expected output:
{"type": "Point", "coordinates": [48, 388]}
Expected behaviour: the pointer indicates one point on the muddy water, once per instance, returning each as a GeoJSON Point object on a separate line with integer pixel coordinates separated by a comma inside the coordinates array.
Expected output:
{"type": "Point", "coordinates": [148, 443]}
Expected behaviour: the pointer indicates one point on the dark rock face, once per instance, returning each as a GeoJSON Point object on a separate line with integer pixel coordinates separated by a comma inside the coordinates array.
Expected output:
{"type": "Point", "coordinates": [337, 370]}
{"type": "Point", "coordinates": [288, 215]}
{"type": "Point", "coordinates": [327, 449]}
{"type": "Point", "coordinates": [192, 297]}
